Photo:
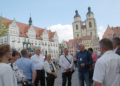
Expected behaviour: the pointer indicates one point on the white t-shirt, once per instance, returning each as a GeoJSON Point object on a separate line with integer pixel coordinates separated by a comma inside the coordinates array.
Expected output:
{"type": "Point", "coordinates": [7, 77]}
{"type": "Point", "coordinates": [38, 61]}
{"type": "Point", "coordinates": [107, 69]}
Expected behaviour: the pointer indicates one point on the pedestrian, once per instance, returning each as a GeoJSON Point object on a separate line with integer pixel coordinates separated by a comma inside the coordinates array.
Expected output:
{"type": "Point", "coordinates": [50, 71]}
{"type": "Point", "coordinates": [107, 68]}
{"type": "Point", "coordinates": [26, 64]}
{"type": "Point", "coordinates": [7, 77]}
{"type": "Point", "coordinates": [18, 73]}
{"type": "Point", "coordinates": [116, 45]}
{"type": "Point", "coordinates": [38, 60]}
{"type": "Point", "coordinates": [84, 60]}
{"type": "Point", "coordinates": [94, 57]}
{"type": "Point", "coordinates": [66, 63]}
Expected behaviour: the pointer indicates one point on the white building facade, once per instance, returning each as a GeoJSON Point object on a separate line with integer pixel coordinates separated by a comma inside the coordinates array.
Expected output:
{"type": "Point", "coordinates": [27, 36]}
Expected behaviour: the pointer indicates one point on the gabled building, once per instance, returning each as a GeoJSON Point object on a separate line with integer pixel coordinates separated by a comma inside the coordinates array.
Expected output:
{"type": "Point", "coordinates": [112, 32]}
{"type": "Point", "coordinates": [28, 36]}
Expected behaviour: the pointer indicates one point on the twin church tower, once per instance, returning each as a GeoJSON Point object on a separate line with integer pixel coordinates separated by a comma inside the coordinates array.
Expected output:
{"type": "Point", "coordinates": [84, 28]}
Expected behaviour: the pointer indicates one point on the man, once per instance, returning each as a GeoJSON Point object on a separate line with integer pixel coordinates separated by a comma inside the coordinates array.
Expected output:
{"type": "Point", "coordinates": [39, 67]}
{"type": "Point", "coordinates": [66, 63]}
{"type": "Point", "coordinates": [116, 45]}
{"type": "Point", "coordinates": [26, 64]}
{"type": "Point", "coordinates": [107, 68]}
{"type": "Point", "coordinates": [84, 59]}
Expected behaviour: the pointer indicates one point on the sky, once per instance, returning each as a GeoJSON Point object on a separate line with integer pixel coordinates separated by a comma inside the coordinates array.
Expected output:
{"type": "Point", "coordinates": [58, 15]}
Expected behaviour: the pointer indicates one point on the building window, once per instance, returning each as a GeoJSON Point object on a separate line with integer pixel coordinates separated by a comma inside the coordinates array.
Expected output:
{"type": "Point", "coordinates": [90, 24]}
{"type": "Point", "coordinates": [77, 35]}
{"type": "Point", "coordinates": [76, 27]}
{"type": "Point", "coordinates": [91, 33]}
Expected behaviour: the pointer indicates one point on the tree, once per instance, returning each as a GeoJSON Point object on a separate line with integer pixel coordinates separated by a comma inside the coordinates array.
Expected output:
{"type": "Point", "coordinates": [3, 28]}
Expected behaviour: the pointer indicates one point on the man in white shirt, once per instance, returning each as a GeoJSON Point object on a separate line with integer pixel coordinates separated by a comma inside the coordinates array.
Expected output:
{"type": "Point", "coordinates": [107, 68]}
{"type": "Point", "coordinates": [66, 63]}
{"type": "Point", "coordinates": [39, 66]}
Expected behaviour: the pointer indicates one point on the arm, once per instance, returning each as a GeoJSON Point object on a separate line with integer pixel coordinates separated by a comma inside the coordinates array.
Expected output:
{"type": "Point", "coordinates": [33, 76]}
{"type": "Point", "coordinates": [90, 60]}
{"type": "Point", "coordinates": [97, 84]}
{"type": "Point", "coordinates": [99, 73]}
{"type": "Point", "coordinates": [34, 73]}
{"type": "Point", "coordinates": [71, 62]}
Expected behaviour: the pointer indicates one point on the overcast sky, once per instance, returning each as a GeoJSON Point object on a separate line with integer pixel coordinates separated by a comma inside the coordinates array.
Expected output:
{"type": "Point", "coordinates": [57, 15]}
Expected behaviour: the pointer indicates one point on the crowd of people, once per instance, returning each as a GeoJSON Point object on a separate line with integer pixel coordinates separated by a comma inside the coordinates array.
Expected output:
{"type": "Point", "coordinates": [22, 69]}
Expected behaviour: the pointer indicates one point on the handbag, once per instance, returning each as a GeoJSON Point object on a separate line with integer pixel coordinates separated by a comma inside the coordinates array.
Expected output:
{"type": "Point", "coordinates": [73, 70]}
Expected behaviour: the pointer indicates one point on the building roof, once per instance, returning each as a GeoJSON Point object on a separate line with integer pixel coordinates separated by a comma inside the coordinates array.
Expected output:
{"type": "Point", "coordinates": [23, 29]}
{"type": "Point", "coordinates": [111, 31]}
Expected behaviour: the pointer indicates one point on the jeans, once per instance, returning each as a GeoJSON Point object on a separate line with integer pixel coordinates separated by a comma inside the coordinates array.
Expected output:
{"type": "Point", "coordinates": [84, 77]}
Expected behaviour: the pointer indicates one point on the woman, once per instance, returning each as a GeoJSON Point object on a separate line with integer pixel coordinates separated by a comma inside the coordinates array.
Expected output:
{"type": "Point", "coordinates": [50, 71]}
{"type": "Point", "coordinates": [7, 77]}
{"type": "Point", "coordinates": [18, 73]}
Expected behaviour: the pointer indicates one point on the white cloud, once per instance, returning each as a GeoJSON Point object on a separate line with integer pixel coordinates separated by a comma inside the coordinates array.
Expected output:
{"type": "Point", "coordinates": [64, 32]}
{"type": "Point", "coordinates": [101, 31]}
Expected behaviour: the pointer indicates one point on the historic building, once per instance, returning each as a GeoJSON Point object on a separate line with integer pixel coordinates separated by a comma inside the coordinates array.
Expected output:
{"type": "Point", "coordinates": [86, 30]}
{"type": "Point", "coordinates": [112, 32]}
{"type": "Point", "coordinates": [27, 36]}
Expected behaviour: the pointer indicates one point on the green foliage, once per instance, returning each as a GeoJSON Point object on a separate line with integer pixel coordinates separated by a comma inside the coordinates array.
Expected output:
{"type": "Point", "coordinates": [3, 28]}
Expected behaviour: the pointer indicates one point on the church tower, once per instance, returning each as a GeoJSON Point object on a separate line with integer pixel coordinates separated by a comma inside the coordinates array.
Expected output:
{"type": "Point", "coordinates": [77, 25]}
{"type": "Point", "coordinates": [91, 24]}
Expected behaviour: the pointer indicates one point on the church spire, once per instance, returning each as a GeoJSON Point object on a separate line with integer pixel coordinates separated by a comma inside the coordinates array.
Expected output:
{"type": "Point", "coordinates": [89, 11]}
{"type": "Point", "coordinates": [30, 21]}
{"type": "Point", "coordinates": [76, 14]}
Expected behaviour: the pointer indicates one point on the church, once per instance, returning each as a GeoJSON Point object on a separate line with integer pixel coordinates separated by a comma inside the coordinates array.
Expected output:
{"type": "Point", "coordinates": [84, 28]}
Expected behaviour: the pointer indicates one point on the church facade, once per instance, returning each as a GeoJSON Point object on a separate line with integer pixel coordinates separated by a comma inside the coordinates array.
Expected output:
{"type": "Point", "coordinates": [27, 36]}
{"type": "Point", "coordinates": [86, 29]}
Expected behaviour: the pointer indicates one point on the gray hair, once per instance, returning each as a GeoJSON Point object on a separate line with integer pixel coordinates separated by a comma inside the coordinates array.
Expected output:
{"type": "Point", "coordinates": [116, 40]}
{"type": "Point", "coordinates": [81, 45]}
{"type": "Point", "coordinates": [106, 44]}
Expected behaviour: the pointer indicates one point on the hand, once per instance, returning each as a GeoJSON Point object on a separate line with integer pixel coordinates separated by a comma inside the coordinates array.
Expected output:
{"type": "Point", "coordinates": [68, 69]}
{"type": "Point", "coordinates": [83, 65]}
{"type": "Point", "coordinates": [75, 59]}
{"type": "Point", "coordinates": [54, 73]}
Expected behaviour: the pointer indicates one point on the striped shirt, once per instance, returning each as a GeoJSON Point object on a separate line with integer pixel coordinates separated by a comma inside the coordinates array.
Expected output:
{"type": "Point", "coordinates": [107, 69]}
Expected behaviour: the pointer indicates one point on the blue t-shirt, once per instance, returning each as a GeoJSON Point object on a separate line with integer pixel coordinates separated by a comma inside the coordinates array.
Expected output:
{"type": "Point", "coordinates": [26, 65]}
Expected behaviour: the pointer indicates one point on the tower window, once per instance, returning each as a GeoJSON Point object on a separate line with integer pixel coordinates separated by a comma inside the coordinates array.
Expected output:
{"type": "Point", "coordinates": [76, 27]}
{"type": "Point", "coordinates": [90, 24]}
{"type": "Point", "coordinates": [91, 33]}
